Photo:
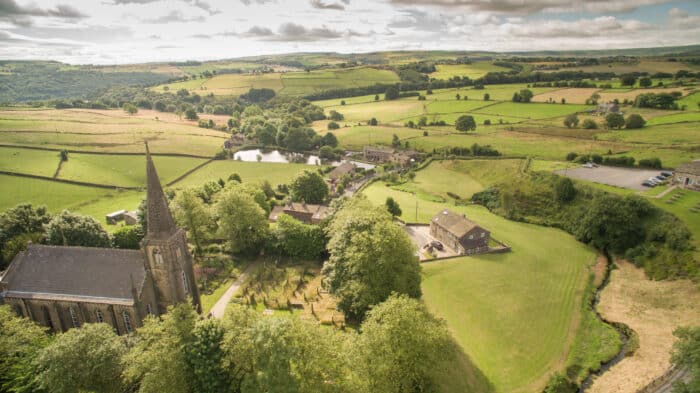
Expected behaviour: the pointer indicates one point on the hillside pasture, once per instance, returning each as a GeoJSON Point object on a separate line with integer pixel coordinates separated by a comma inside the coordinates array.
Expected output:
{"type": "Point", "coordinates": [532, 110]}
{"type": "Point", "coordinates": [300, 83]}
{"type": "Point", "coordinates": [383, 111]}
{"type": "Point", "coordinates": [355, 138]}
{"type": "Point", "coordinates": [474, 70]}
{"type": "Point", "coordinates": [250, 172]}
{"type": "Point", "coordinates": [29, 161]}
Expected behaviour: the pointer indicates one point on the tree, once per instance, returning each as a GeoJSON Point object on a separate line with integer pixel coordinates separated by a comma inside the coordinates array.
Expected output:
{"type": "Point", "coordinates": [571, 121]}
{"type": "Point", "coordinates": [614, 120]}
{"type": "Point", "coordinates": [156, 361]}
{"type": "Point", "coordinates": [128, 237]}
{"type": "Point", "coordinates": [628, 80]}
{"type": "Point", "coordinates": [564, 190]}
{"type": "Point", "coordinates": [457, 97]}
{"type": "Point", "coordinates": [634, 121]}
{"type": "Point", "coordinates": [191, 114]}
{"type": "Point", "coordinates": [403, 348]}
{"type": "Point", "coordinates": [326, 153]}
{"type": "Point", "coordinates": [487, 97]}
{"type": "Point", "coordinates": [393, 207]}
{"type": "Point", "coordinates": [391, 93]}
{"type": "Point", "coordinates": [309, 187]}
{"type": "Point", "coordinates": [18, 225]}
{"type": "Point", "coordinates": [376, 97]}
{"type": "Point", "coordinates": [205, 357]}
{"type": "Point", "coordinates": [130, 108]}
{"type": "Point", "coordinates": [333, 126]}
{"type": "Point", "coordinates": [266, 134]}
{"type": "Point", "coordinates": [330, 140]}
{"type": "Point", "coordinates": [370, 257]}
{"type": "Point", "coordinates": [686, 354]}
{"type": "Point", "coordinates": [612, 223]}
{"type": "Point", "coordinates": [395, 141]}
{"type": "Point", "coordinates": [465, 123]}
{"type": "Point", "coordinates": [423, 121]}
{"type": "Point", "coordinates": [20, 343]}
{"type": "Point", "coordinates": [589, 124]}
{"type": "Point", "coordinates": [299, 240]}
{"type": "Point", "coordinates": [645, 82]}
{"type": "Point", "coordinates": [190, 213]}
{"type": "Point", "coordinates": [373, 121]}
{"type": "Point", "coordinates": [524, 95]}
{"type": "Point", "coordinates": [70, 229]}
{"type": "Point", "coordinates": [85, 359]}
{"type": "Point", "coordinates": [335, 115]}
{"type": "Point", "coordinates": [240, 220]}
{"type": "Point", "coordinates": [298, 139]}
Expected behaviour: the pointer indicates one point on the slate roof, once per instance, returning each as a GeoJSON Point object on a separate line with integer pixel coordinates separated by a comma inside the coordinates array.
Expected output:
{"type": "Point", "coordinates": [454, 223]}
{"type": "Point", "coordinates": [692, 168]}
{"type": "Point", "coordinates": [316, 212]}
{"type": "Point", "coordinates": [75, 273]}
{"type": "Point", "coordinates": [341, 170]}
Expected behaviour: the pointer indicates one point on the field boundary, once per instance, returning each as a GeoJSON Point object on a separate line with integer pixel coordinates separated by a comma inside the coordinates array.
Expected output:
{"type": "Point", "coordinates": [103, 152]}
{"type": "Point", "coordinates": [190, 171]}
{"type": "Point", "coordinates": [73, 182]}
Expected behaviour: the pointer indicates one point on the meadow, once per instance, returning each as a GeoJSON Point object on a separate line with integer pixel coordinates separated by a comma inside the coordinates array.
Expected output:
{"type": "Point", "coordinates": [29, 161]}
{"type": "Point", "coordinates": [473, 71]}
{"type": "Point", "coordinates": [250, 172]}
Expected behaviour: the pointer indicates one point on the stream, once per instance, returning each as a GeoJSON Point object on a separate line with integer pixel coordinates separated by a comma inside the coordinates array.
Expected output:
{"type": "Point", "coordinates": [619, 327]}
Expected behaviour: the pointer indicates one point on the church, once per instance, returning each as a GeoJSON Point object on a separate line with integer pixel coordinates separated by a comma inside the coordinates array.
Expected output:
{"type": "Point", "coordinates": [62, 287]}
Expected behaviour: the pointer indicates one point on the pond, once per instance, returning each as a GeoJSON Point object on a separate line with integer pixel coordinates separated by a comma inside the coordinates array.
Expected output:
{"type": "Point", "coordinates": [282, 157]}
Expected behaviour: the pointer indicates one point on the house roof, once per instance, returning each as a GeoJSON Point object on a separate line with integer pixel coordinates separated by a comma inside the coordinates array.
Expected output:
{"type": "Point", "coordinates": [454, 223]}
{"type": "Point", "coordinates": [375, 149]}
{"type": "Point", "coordinates": [317, 212]}
{"type": "Point", "coordinates": [341, 170]}
{"type": "Point", "coordinates": [692, 167]}
{"type": "Point", "coordinates": [99, 275]}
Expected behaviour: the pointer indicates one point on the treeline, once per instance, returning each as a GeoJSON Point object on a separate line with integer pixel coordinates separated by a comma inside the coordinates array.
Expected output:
{"type": "Point", "coordinates": [38, 81]}
{"type": "Point", "coordinates": [629, 227]}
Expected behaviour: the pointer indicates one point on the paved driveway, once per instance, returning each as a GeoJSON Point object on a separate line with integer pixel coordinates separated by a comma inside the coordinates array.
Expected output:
{"type": "Point", "coordinates": [420, 235]}
{"type": "Point", "coordinates": [614, 176]}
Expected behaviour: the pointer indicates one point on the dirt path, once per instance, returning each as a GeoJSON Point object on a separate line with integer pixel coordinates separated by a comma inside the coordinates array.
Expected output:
{"type": "Point", "coordinates": [218, 310]}
{"type": "Point", "coordinates": [653, 309]}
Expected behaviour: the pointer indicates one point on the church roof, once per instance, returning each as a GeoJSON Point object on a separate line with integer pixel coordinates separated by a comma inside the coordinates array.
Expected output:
{"type": "Point", "coordinates": [160, 221]}
{"type": "Point", "coordinates": [98, 275]}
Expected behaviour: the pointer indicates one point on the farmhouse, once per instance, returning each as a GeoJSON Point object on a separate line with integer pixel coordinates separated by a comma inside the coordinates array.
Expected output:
{"type": "Point", "coordinates": [458, 233]}
{"type": "Point", "coordinates": [61, 287]}
{"type": "Point", "coordinates": [609, 107]}
{"type": "Point", "coordinates": [341, 170]}
{"type": "Point", "coordinates": [378, 154]}
{"type": "Point", "coordinates": [310, 214]}
{"type": "Point", "coordinates": [688, 175]}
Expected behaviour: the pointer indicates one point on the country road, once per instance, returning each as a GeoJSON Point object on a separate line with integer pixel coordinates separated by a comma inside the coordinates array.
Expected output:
{"type": "Point", "coordinates": [220, 307]}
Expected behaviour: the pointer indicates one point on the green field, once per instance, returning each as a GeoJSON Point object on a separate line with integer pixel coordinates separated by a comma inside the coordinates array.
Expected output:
{"type": "Point", "coordinates": [473, 71]}
{"type": "Point", "coordinates": [250, 172]}
{"type": "Point", "coordinates": [532, 110]}
{"type": "Point", "coordinates": [676, 118]}
{"type": "Point", "coordinates": [33, 162]}
{"type": "Point", "coordinates": [514, 314]}
{"type": "Point", "coordinates": [681, 209]}
{"type": "Point", "coordinates": [123, 170]}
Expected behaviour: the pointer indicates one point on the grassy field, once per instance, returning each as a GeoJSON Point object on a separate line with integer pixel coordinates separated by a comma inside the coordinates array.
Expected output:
{"type": "Point", "coordinates": [253, 172]}
{"type": "Point", "coordinates": [285, 83]}
{"type": "Point", "coordinates": [125, 171]}
{"type": "Point", "coordinates": [681, 209]}
{"type": "Point", "coordinates": [33, 162]}
{"type": "Point", "coordinates": [514, 314]}
{"type": "Point", "coordinates": [473, 71]}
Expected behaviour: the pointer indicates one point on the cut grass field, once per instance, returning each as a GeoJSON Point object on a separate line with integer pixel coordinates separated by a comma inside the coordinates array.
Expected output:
{"type": "Point", "coordinates": [123, 170]}
{"type": "Point", "coordinates": [474, 70]}
{"type": "Point", "coordinates": [33, 162]}
{"type": "Point", "coordinates": [515, 314]}
{"type": "Point", "coordinates": [680, 207]}
{"type": "Point", "coordinates": [250, 172]}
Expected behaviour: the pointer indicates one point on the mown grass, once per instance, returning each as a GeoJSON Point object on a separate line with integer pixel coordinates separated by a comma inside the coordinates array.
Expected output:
{"type": "Point", "coordinates": [474, 70]}
{"type": "Point", "coordinates": [681, 209]}
{"type": "Point", "coordinates": [253, 172]}
{"type": "Point", "coordinates": [123, 170]}
{"type": "Point", "coordinates": [532, 110]}
{"type": "Point", "coordinates": [33, 162]}
{"type": "Point", "coordinates": [677, 118]}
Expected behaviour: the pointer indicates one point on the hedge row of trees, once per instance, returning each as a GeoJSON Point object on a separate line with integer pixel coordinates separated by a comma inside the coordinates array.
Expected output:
{"type": "Point", "coordinates": [651, 163]}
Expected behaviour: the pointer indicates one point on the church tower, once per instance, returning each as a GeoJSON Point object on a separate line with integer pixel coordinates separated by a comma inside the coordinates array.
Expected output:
{"type": "Point", "coordinates": [168, 259]}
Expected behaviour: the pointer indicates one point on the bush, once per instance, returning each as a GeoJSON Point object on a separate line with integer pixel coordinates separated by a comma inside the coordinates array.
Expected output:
{"type": "Point", "coordinates": [487, 122]}
{"type": "Point", "coordinates": [619, 161]}
{"type": "Point", "coordinates": [589, 124]}
{"type": "Point", "coordinates": [634, 121]}
{"type": "Point", "coordinates": [653, 163]}
{"type": "Point", "coordinates": [614, 120]}
{"type": "Point", "coordinates": [335, 115]}
{"type": "Point", "coordinates": [391, 93]}
{"type": "Point", "coordinates": [571, 156]}
{"type": "Point", "coordinates": [333, 126]}
{"type": "Point", "coordinates": [571, 121]}
{"type": "Point", "coordinates": [564, 190]}
{"type": "Point", "coordinates": [128, 237]}
{"type": "Point", "coordinates": [465, 123]}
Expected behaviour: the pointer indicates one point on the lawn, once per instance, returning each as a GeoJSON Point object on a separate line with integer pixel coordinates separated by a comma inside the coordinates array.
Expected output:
{"type": "Point", "coordinates": [254, 172]}
{"type": "Point", "coordinates": [123, 170]}
{"type": "Point", "coordinates": [383, 111]}
{"type": "Point", "coordinates": [514, 314]}
{"type": "Point", "coordinates": [359, 136]}
{"type": "Point", "coordinates": [33, 162]}
{"type": "Point", "coordinates": [681, 209]}
{"type": "Point", "coordinates": [676, 118]}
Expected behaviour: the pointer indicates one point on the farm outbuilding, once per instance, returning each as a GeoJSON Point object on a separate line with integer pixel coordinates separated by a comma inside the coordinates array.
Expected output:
{"type": "Point", "coordinates": [688, 175]}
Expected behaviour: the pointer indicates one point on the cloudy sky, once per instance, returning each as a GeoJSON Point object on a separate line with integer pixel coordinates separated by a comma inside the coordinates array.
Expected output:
{"type": "Point", "coordinates": [132, 31]}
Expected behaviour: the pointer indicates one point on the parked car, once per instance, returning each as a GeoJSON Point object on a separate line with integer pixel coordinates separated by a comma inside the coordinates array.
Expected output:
{"type": "Point", "coordinates": [588, 165]}
{"type": "Point", "coordinates": [437, 245]}
{"type": "Point", "coordinates": [653, 180]}
{"type": "Point", "coordinates": [667, 174]}
{"type": "Point", "coordinates": [647, 183]}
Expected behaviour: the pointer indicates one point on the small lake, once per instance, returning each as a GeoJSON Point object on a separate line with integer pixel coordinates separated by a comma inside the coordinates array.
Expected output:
{"type": "Point", "coordinates": [281, 157]}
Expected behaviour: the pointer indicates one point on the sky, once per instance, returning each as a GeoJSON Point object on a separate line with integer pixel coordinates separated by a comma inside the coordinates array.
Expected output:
{"type": "Point", "coordinates": [137, 31]}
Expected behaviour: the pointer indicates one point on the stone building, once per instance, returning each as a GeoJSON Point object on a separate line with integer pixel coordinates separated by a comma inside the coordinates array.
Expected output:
{"type": "Point", "coordinates": [688, 175]}
{"type": "Point", "coordinates": [307, 213]}
{"type": "Point", "coordinates": [378, 154]}
{"type": "Point", "coordinates": [458, 233]}
{"type": "Point", "coordinates": [62, 287]}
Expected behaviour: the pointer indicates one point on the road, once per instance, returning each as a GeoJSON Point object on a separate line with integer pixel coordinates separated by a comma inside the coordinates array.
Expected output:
{"type": "Point", "coordinates": [220, 307]}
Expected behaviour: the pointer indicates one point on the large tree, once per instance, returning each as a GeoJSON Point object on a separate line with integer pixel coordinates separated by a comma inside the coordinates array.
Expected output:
{"type": "Point", "coordinates": [295, 239]}
{"type": "Point", "coordinates": [391, 93]}
{"type": "Point", "coordinates": [465, 123]}
{"type": "Point", "coordinates": [392, 207]}
{"type": "Point", "coordinates": [614, 120]}
{"type": "Point", "coordinates": [309, 186]}
{"type": "Point", "coordinates": [371, 257]}
{"type": "Point", "coordinates": [70, 229]}
{"type": "Point", "coordinates": [84, 359]}
{"type": "Point", "coordinates": [240, 220]}
{"type": "Point", "coordinates": [634, 121]}
{"type": "Point", "coordinates": [571, 121]}
{"type": "Point", "coordinates": [403, 348]}
{"type": "Point", "coordinates": [21, 340]}
{"type": "Point", "coordinates": [18, 225]}
{"type": "Point", "coordinates": [191, 213]}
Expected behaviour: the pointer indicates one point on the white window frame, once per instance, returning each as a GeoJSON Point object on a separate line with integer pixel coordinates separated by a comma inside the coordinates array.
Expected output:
{"type": "Point", "coordinates": [185, 284]}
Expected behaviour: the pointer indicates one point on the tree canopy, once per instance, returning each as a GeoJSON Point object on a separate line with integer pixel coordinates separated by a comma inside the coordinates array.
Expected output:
{"type": "Point", "coordinates": [465, 123]}
{"type": "Point", "coordinates": [309, 186]}
{"type": "Point", "coordinates": [70, 229]}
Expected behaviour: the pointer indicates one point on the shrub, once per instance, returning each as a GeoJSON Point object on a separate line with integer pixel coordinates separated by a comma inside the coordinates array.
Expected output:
{"type": "Point", "coordinates": [487, 122]}
{"type": "Point", "coordinates": [589, 124]}
{"type": "Point", "coordinates": [654, 163]}
{"type": "Point", "coordinates": [619, 161]}
{"type": "Point", "coordinates": [634, 121]}
{"type": "Point", "coordinates": [335, 115]}
{"type": "Point", "coordinates": [571, 121]}
{"type": "Point", "coordinates": [465, 123]}
{"type": "Point", "coordinates": [571, 156]}
{"type": "Point", "coordinates": [391, 93]}
{"type": "Point", "coordinates": [614, 120]}
{"type": "Point", "coordinates": [564, 190]}
{"type": "Point", "coordinates": [333, 126]}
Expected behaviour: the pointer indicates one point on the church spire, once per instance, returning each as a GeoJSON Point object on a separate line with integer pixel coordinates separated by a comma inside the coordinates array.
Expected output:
{"type": "Point", "coordinates": [160, 222]}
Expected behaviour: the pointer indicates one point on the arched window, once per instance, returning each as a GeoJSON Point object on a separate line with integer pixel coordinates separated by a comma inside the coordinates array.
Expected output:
{"type": "Point", "coordinates": [185, 286]}
{"type": "Point", "coordinates": [74, 317]}
{"type": "Point", "coordinates": [98, 316]}
{"type": "Point", "coordinates": [127, 321]}
{"type": "Point", "coordinates": [157, 256]}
